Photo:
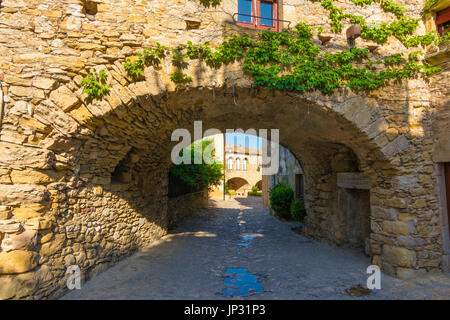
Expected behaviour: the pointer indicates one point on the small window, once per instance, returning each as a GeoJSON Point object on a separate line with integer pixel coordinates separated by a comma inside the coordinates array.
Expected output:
{"type": "Point", "coordinates": [266, 11]}
{"type": "Point", "coordinates": [230, 164]}
{"type": "Point", "coordinates": [259, 14]}
{"type": "Point", "coordinates": [238, 164]}
{"type": "Point", "coordinates": [245, 11]}
{"type": "Point", "coordinates": [244, 164]}
{"type": "Point", "coordinates": [443, 21]}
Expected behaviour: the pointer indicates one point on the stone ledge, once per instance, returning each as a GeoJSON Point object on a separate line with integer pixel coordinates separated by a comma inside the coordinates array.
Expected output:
{"type": "Point", "coordinates": [440, 57]}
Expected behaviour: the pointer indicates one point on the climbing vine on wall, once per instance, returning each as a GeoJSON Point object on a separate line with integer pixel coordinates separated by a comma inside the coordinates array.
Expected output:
{"type": "Point", "coordinates": [291, 60]}
{"type": "Point", "coordinates": [95, 85]}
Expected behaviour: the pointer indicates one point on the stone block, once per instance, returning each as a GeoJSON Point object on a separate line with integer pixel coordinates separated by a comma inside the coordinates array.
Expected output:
{"type": "Point", "coordinates": [353, 180]}
{"type": "Point", "coordinates": [64, 98]}
{"type": "Point", "coordinates": [49, 248]}
{"type": "Point", "coordinates": [10, 226]}
{"type": "Point", "coordinates": [23, 156]}
{"type": "Point", "coordinates": [397, 227]}
{"type": "Point", "coordinates": [19, 261]}
{"type": "Point", "coordinates": [400, 257]}
{"type": "Point", "coordinates": [32, 177]}
{"type": "Point", "coordinates": [395, 147]}
{"type": "Point", "coordinates": [27, 211]}
{"type": "Point", "coordinates": [5, 212]}
{"type": "Point", "coordinates": [38, 223]}
{"type": "Point", "coordinates": [26, 240]}
{"type": "Point", "coordinates": [396, 203]}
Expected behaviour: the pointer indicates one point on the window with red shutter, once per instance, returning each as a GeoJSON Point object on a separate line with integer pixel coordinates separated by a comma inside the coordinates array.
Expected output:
{"type": "Point", "coordinates": [443, 21]}
{"type": "Point", "coordinates": [258, 14]}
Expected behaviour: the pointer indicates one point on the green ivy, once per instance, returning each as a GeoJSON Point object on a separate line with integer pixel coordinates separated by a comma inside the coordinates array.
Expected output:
{"type": "Point", "coordinates": [95, 86]}
{"type": "Point", "coordinates": [149, 57]}
{"type": "Point", "coordinates": [290, 60]}
{"type": "Point", "coordinates": [446, 38]}
{"type": "Point", "coordinates": [195, 177]}
{"type": "Point", "coordinates": [428, 5]}
{"type": "Point", "coordinates": [209, 3]}
{"type": "Point", "coordinates": [423, 40]}
{"type": "Point", "coordinates": [180, 78]}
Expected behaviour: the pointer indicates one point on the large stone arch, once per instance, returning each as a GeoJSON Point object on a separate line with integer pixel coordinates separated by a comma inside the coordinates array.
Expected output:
{"type": "Point", "coordinates": [101, 168]}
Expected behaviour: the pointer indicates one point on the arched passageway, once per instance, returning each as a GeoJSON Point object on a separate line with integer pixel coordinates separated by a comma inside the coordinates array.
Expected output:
{"type": "Point", "coordinates": [102, 168]}
{"type": "Point", "coordinates": [239, 185]}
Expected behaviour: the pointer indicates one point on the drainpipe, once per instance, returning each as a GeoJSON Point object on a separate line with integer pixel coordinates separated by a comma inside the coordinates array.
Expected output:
{"type": "Point", "coordinates": [2, 102]}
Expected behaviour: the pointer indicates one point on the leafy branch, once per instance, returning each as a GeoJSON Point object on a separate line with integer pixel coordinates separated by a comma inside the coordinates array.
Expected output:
{"type": "Point", "coordinates": [95, 86]}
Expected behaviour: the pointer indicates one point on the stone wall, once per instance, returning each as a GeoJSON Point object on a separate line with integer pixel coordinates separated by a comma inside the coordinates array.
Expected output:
{"type": "Point", "coordinates": [86, 184]}
{"type": "Point", "coordinates": [185, 206]}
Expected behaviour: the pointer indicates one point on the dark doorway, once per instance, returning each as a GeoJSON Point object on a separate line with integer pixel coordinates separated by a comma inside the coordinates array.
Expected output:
{"type": "Point", "coordinates": [354, 211]}
{"type": "Point", "coordinates": [299, 187]}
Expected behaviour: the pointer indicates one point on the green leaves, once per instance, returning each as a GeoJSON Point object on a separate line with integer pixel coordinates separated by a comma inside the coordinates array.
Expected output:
{"type": "Point", "coordinates": [428, 5]}
{"type": "Point", "coordinates": [149, 57]}
{"type": "Point", "coordinates": [290, 60]}
{"type": "Point", "coordinates": [281, 196]}
{"type": "Point", "coordinates": [209, 3]}
{"type": "Point", "coordinates": [95, 86]}
{"type": "Point", "coordinates": [198, 177]}
{"type": "Point", "coordinates": [180, 78]}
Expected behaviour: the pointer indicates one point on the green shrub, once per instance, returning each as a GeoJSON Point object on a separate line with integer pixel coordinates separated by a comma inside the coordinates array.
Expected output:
{"type": "Point", "coordinates": [232, 193]}
{"type": "Point", "coordinates": [281, 197]}
{"type": "Point", "coordinates": [255, 189]}
{"type": "Point", "coordinates": [298, 210]}
{"type": "Point", "coordinates": [257, 193]}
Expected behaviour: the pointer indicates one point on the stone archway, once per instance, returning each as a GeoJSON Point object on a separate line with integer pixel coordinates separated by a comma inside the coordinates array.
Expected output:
{"type": "Point", "coordinates": [239, 185]}
{"type": "Point", "coordinates": [101, 169]}
{"type": "Point", "coordinates": [90, 180]}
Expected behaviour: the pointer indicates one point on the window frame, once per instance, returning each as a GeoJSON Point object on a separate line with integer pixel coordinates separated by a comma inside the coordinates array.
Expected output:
{"type": "Point", "coordinates": [256, 11]}
{"type": "Point", "coordinates": [230, 163]}
{"type": "Point", "coordinates": [443, 15]}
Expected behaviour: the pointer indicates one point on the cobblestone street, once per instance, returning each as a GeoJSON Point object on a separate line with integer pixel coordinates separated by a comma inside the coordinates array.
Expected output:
{"type": "Point", "coordinates": [194, 262]}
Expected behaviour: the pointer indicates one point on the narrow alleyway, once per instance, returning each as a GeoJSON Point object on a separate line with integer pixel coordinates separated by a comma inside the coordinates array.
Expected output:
{"type": "Point", "coordinates": [236, 250]}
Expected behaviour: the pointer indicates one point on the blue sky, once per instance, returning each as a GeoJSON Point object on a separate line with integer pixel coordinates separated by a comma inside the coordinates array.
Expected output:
{"type": "Point", "coordinates": [253, 140]}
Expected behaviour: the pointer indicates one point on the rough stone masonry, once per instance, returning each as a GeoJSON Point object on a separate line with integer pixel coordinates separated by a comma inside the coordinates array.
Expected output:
{"type": "Point", "coordinates": [86, 184]}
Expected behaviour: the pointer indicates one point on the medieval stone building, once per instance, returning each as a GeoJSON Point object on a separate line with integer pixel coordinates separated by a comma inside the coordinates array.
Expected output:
{"type": "Point", "coordinates": [85, 182]}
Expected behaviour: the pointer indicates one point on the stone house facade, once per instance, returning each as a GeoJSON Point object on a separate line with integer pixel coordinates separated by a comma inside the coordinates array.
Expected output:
{"type": "Point", "coordinates": [242, 167]}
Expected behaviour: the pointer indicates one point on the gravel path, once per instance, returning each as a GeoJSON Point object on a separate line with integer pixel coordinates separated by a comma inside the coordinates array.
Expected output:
{"type": "Point", "coordinates": [235, 247]}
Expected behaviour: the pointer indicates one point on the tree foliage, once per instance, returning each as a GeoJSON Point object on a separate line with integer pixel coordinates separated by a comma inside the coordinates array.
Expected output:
{"type": "Point", "coordinates": [197, 177]}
